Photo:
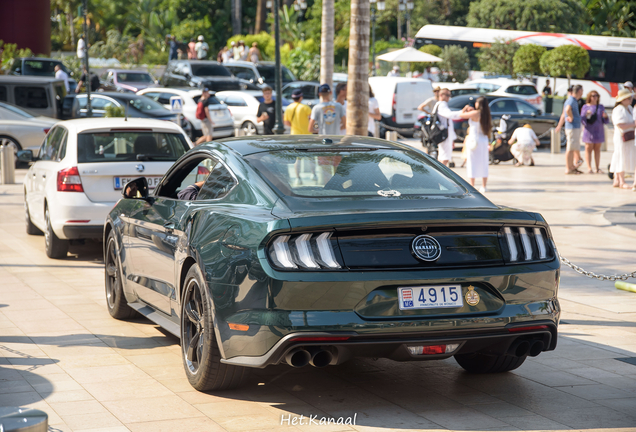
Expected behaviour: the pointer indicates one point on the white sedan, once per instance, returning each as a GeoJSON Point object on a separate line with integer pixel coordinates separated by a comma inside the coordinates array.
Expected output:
{"type": "Point", "coordinates": [21, 129]}
{"type": "Point", "coordinates": [244, 106]}
{"type": "Point", "coordinates": [82, 168]}
{"type": "Point", "coordinates": [223, 121]}
{"type": "Point", "coordinates": [526, 91]}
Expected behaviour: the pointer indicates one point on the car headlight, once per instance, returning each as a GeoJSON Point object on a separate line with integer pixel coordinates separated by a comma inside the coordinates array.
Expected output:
{"type": "Point", "coordinates": [310, 251]}
{"type": "Point", "coordinates": [526, 244]}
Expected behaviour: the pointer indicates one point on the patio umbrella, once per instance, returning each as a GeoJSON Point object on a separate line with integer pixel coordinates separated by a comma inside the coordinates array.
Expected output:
{"type": "Point", "coordinates": [408, 54]}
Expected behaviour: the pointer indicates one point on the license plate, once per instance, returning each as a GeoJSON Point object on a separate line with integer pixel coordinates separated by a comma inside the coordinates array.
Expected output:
{"type": "Point", "coordinates": [120, 182]}
{"type": "Point", "coordinates": [430, 297]}
{"type": "Point", "coordinates": [219, 114]}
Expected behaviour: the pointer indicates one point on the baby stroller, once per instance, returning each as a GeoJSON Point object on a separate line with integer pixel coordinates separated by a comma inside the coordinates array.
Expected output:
{"type": "Point", "coordinates": [500, 149]}
{"type": "Point", "coordinates": [430, 148]}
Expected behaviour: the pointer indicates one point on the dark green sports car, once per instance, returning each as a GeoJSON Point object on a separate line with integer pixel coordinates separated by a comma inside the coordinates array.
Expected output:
{"type": "Point", "coordinates": [258, 251]}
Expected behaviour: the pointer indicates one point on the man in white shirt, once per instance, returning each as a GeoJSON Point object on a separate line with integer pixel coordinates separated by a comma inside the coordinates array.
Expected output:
{"type": "Point", "coordinates": [60, 74]}
{"type": "Point", "coordinates": [80, 48]}
{"type": "Point", "coordinates": [446, 117]}
{"type": "Point", "coordinates": [526, 141]}
{"type": "Point", "coordinates": [201, 48]}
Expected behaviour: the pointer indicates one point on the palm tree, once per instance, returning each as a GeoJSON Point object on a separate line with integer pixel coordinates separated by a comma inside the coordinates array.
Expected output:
{"type": "Point", "coordinates": [236, 17]}
{"type": "Point", "coordinates": [326, 43]}
{"type": "Point", "coordinates": [358, 82]}
{"type": "Point", "coordinates": [261, 15]}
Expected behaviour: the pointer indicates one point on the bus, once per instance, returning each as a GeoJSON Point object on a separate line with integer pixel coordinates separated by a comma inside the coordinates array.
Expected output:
{"type": "Point", "coordinates": [612, 59]}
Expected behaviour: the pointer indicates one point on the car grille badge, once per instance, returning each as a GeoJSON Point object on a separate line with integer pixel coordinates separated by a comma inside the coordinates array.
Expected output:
{"type": "Point", "coordinates": [426, 248]}
{"type": "Point", "coordinates": [140, 167]}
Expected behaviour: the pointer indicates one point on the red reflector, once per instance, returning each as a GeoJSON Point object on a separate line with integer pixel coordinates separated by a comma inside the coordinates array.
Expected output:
{"type": "Point", "coordinates": [239, 327]}
{"type": "Point", "coordinates": [321, 339]}
{"type": "Point", "coordinates": [68, 180]}
{"type": "Point", "coordinates": [78, 221]}
{"type": "Point", "coordinates": [46, 130]}
{"type": "Point", "coordinates": [434, 349]}
{"type": "Point", "coordinates": [529, 328]}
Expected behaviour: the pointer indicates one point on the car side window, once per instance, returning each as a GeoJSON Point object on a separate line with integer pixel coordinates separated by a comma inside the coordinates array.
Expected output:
{"type": "Point", "coordinates": [218, 184]}
{"type": "Point", "coordinates": [51, 146]}
{"type": "Point", "coordinates": [101, 103]}
{"type": "Point", "coordinates": [164, 98]}
{"type": "Point", "coordinates": [524, 108]}
{"type": "Point", "coordinates": [153, 95]}
{"type": "Point", "coordinates": [504, 106]}
{"type": "Point", "coordinates": [3, 93]}
{"type": "Point", "coordinates": [61, 154]}
{"type": "Point", "coordinates": [31, 97]}
{"type": "Point", "coordinates": [190, 172]}
{"type": "Point", "coordinates": [310, 91]}
{"type": "Point", "coordinates": [235, 101]}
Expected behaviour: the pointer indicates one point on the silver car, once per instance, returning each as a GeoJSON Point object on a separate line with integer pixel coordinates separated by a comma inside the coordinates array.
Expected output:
{"type": "Point", "coordinates": [22, 129]}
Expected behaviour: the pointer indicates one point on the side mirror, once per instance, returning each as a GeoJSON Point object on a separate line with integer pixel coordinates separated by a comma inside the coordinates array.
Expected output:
{"type": "Point", "coordinates": [25, 156]}
{"type": "Point", "coordinates": [136, 189]}
{"type": "Point", "coordinates": [539, 112]}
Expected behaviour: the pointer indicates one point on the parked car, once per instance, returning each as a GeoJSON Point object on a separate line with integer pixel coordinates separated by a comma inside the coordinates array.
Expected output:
{"type": "Point", "coordinates": [457, 89]}
{"type": "Point", "coordinates": [398, 99]}
{"type": "Point", "coordinates": [202, 73]}
{"type": "Point", "coordinates": [382, 253]}
{"type": "Point", "coordinates": [81, 168]}
{"type": "Point", "coordinates": [126, 80]}
{"type": "Point", "coordinates": [223, 121]}
{"type": "Point", "coordinates": [21, 129]}
{"type": "Point", "coordinates": [42, 67]}
{"type": "Point", "coordinates": [518, 110]}
{"type": "Point", "coordinates": [42, 96]}
{"type": "Point", "coordinates": [243, 106]}
{"type": "Point", "coordinates": [509, 87]}
{"type": "Point", "coordinates": [261, 73]}
{"type": "Point", "coordinates": [309, 89]}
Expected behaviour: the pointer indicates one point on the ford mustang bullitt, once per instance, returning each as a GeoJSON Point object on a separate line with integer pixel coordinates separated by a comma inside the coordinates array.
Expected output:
{"type": "Point", "coordinates": [312, 250]}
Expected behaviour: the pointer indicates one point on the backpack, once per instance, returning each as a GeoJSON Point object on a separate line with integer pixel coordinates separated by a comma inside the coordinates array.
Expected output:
{"type": "Point", "coordinates": [433, 131]}
{"type": "Point", "coordinates": [200, 114]}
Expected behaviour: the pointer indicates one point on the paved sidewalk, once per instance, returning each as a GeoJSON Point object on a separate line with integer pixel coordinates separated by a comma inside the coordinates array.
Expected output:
{"type": "Point", "coordinates": [61, 352]}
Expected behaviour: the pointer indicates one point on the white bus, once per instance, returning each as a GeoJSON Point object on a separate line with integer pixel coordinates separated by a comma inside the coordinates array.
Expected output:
{"type": "Point", "coordinates": [612, 59]}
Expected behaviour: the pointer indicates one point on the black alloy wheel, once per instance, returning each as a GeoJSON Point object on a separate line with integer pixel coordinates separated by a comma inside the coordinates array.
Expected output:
{"type": "Point", "coordinates": [201, 354]}
{"type": "Point", "coordinates": [31, 229]}
{"type": "Point", "coordinates": [55, 247]}
{"type": "Point", "coordinates": [115, 298]}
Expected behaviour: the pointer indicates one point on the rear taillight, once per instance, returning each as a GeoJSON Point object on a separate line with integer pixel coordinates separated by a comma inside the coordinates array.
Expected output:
{"type": "Point", "coordinates": [393, 104]}
{"type": "Point", "coordinates": [523, 244]}
{"type": "Point", "coordinates": [68, 180]}
{"type": "Point", "coordinates": [311, 251]}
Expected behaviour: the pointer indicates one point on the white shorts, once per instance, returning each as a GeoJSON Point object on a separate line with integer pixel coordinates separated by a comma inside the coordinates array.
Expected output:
{"type": "Point", "coordinates": [207, 128]}
{"type": "Point", "coordinates": [573, 138]}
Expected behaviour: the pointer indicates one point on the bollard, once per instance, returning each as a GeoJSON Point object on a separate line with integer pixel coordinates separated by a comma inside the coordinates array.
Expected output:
{"type": "Point", "coordinates": [391, 136]}
{"type": "Point", "coordinates": [377, 130]}
{"type": "Point", "coordinates": [13, 419]}
{"type": "Point", "coordinates": [555, 141]}
{"type": "Point", "coordinates": [7, 165]}
{"type": "Point", "coordinates": [238, 132]}
{"type": "Point", "coordinates": [625, 286]}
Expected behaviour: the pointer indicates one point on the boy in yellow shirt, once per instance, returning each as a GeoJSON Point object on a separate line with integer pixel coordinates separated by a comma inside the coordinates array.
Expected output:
{"type": "Point", "coordinates": [297, 115]}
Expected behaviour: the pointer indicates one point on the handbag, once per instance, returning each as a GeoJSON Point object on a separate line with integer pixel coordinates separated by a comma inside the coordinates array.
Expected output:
{"type": "Point", "coordinates": [593, 117]}
{"type": "Point", "coordinates": [433, 130]}
{"type": "Point", "coordinates": [628, 136]}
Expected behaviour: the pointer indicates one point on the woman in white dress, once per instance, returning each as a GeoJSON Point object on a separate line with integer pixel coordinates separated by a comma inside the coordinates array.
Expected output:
{"type": "Point", "coordinates": [480, 123]}
{"type": "Point", "coordinates": [624, 157]}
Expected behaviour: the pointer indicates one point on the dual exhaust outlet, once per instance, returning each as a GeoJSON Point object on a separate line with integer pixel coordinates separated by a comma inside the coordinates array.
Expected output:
{"type": "Point", "coordinates": [522, 348]}
{"type": "Point", "coordinates": [317, 357]}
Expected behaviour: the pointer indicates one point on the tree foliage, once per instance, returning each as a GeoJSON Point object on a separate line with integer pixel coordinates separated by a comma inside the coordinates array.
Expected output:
{"type": "Point", "coordinates": [566, 16]}
{"type": "Point", "coordinates": [612, 17]}
{"type": "Point", "coordinates": [527, 59]}
{"type": "Point", "coordinates": [498, 57]}
{"type": "Point", "coordinates": [455, 64]}
{"type": "Point", "coordinates": [566, 60]}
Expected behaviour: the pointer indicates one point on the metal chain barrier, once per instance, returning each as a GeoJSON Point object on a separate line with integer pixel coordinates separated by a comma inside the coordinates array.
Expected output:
{"type": "Point", "coordinates": [593, 275]}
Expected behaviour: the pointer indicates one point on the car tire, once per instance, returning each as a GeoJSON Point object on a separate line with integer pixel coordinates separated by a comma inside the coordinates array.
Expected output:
{"type": "Point", "coordinates": [55, 247]}
{"type": "Point", "coordinates": [199, 350]}
{"type": "Point", "coordinates": [31, 229]}
{"type": "Point", "coordinates": [481, 363]}
{"type": "Point", "coordinates": [5, 140]}
{"type": "Point", "coordinates": [248, 128]}
{"type": "Point", "coordinates": [115, 299]}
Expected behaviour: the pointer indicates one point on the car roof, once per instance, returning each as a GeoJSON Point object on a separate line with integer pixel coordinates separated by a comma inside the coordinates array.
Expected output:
{"type": "Point", "coordinates": [40, 59]}
{"type": "Point", "coordinates": [257, 144]}
{"type": "Point", "coordinates": [197, 61]}
{"type": "Point", "coordinates": [126, 71]}
{"type": "Point", "coordinates": [500, 81]}
{"type": "Point", "coordinates": [28, 79]}
{"type": "Point", "coordinates": [119, 95]}
{"type": "Point", "coordinates": [107, 123]}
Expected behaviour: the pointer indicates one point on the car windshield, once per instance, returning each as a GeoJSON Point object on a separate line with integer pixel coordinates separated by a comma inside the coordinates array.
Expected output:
{"type": "Point", "coordinates": [347, 172]}
{"type": "Point", "coordinates": [209, 70]}
{"type": "Point", "coordinates": [18, 113]}
{"type": "Point", "coordinates": [134, 77]}
{"type": "Point", "coordinates": [522, 90]}
{"type": "Point", "coordinates": [130, 146]}
{"type": "Point", "coordinates": [459, 102]}
{"type": "Point", "coordinates": [39, 67]}
{"type": "Point", "coordinates": [145, 104]}
{"type": "Point", "coordinates": [268, 73]}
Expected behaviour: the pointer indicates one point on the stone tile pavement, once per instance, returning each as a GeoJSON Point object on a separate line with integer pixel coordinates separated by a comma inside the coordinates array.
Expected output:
{"type": "Point", "coordinates": [61, 352]}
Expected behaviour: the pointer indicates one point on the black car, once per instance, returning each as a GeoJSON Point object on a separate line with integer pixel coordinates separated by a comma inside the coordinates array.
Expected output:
{"type": "Point", "coordinates": [518, 110]}
{"type": "Point", "coordinates": [35, 66]}
{"type": "Point", "coordinates": [203, 73]}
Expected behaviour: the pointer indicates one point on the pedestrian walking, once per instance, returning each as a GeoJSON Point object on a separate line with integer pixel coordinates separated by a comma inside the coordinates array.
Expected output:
{"type": "Point", "coordinates": [255, 53]}
{"type": "Point", "coordinates": [192, 52]}
{"type": "Point", "coordinates": [267, 111]}
{"type": "Point", "coordinates": [201, 48]}
{"type": "Point", "coordinates": [297, 114]}
{"type": "Point", "coordinates": [173, 48]}
{"type": "Point", "coordinates": [523, 141]}
{"type": "Point", "coordinates": [624, 157]}
{"type": "Point", "coordinates": [428, 105]}
{"type": "Point", "coordinates": [85, 79]}
{"type": "Point", "coordinates": [572, 119]}
{"type": "Point", "coordinates": [593, 119]}
{"type": "Point", "coordinates": [203, 114]}
{"type": "Point", "coordinates": [374, 112]}
{"type": "Point", "coordinates": [341, 98]}
{"type": "Point", "coordinates": [480, 123]}
{"type": "Point", "coordinates": [445, 115]}
{"type": "Point", "coordinates": [243, 51]}
{"type": "Point", "coordinates": [81, 46]}
{"type": "Point", "coordinates": [60, 74]}
{"type": "Point", "coordinates": [395, 72]}
{"type": "Point", "coordinates": [547, 96]}
{"type": "Point", "coordinates": [327, 117]}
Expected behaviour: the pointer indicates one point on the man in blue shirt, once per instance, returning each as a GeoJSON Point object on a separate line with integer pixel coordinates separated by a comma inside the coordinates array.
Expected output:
{"type": "Point", "coordinates": [174, 48]}
{"type": "Point", "coordinates": [572, 118]}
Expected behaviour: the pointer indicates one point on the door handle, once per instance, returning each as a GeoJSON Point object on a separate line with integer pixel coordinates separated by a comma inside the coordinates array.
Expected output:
{"type": "Point", "coordinates": [169, 226]}
{"type": "Point", "coordinates": [43, 175]}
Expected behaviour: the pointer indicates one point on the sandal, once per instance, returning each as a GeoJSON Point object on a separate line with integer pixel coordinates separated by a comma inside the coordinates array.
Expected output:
{"type": "Point", "coordinates": [574, 171]}
{"type": "Point", "coordinates": [599, 171]}
{"type": "Point", "coordinates": [531, 162]}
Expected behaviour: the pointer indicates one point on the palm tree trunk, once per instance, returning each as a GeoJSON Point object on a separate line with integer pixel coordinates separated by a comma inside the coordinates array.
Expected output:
{"type": "Point", "coordinates": [358, 82]}
{"type": "Point", "coordinates": [326, 43]}
{"type": "Point", "coordinates": [236, 17]}
{"type": "Point", "coordinates": [261, 16]}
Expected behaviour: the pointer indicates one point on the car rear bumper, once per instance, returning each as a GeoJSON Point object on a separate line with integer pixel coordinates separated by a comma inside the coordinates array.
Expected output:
{"type": "Point", "coordinates": [74, 216]}
{"type": "Point", "coordinates": [75, 232]}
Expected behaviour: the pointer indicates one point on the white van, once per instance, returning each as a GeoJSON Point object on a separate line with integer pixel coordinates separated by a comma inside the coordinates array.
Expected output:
{"type": "Point", "coordinates": [399, 98]}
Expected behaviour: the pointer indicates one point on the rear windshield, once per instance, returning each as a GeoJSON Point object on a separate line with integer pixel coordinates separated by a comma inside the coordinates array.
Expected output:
{"type": "Point", "coordinates": [134, 77]}
{"type": "Point", "coordinates": [39, 68]}
{"type": "Point", "coordinates": [268, 73]}
{"type": "Point", "coordinates": [522, 90]}
{"type": "Point", "coordinates": [209, 70]}
{"type": "Point", "coordinates": [375, 173]}
{"type": "Point", "coordinates": [222, 85]}
{"type": "Point", "coordinates": [130, 146]}
{"type": "Point", "coordinates": [145, 104]}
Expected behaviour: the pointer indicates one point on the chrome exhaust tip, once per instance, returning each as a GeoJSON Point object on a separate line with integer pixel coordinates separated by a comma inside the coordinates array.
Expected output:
{"type": "Point", "coordinates": [298, 357]}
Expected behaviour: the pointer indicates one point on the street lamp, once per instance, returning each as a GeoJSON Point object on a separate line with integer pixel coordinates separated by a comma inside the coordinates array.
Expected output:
{"type": "Point", "coordinates": [409, 7]}
{"type": "Point", "coordinates": [375, 6]}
